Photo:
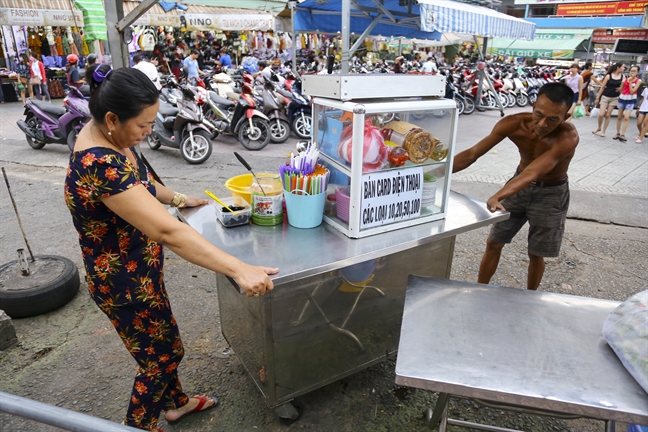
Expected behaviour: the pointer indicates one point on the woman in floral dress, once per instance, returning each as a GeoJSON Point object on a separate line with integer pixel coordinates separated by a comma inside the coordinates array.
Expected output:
{"type": "Point", "coordinates": [118, 211]}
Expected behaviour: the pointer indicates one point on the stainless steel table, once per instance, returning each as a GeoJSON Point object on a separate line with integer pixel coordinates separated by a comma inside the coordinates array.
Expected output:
{"type": "Point", "coordinates": [525, 348]}
{"type": "Point", "coordinates": [337, 303]}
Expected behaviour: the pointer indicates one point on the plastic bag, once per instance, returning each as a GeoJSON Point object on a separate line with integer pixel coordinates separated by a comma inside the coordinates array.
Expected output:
{"type": "Point", "coordinates": [374, 150]}
{"type": "Point", "coordinates": [595, 112]}
{"type": "Point", "coordinates": [578, 112]}
{"type": "Point", "coordinates": [626, 330]}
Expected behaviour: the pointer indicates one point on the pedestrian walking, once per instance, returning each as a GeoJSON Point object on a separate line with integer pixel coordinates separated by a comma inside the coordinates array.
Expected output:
{"type": "Point", "coordinates": [22, 69]}
{"type": "Point", "coordinates": [191, 65]}
{"type": "Point", "coordinates": [642, 116]}
{"type": "Point", "coordinates": [149, 70]}
{"type": "Point", "coordinates": [587, 96]}
{"type": "Point", "coordinates": [123, 226]}
{"type": "Point", "coordinates": [608, 96]}
{"type": "Point", "coordinates": [38, 79]}
{"type": "Point", "coordinates": [627, 102]}
{"type": "Point", "coordinates": [575, 82]}
{"type": "Point", "coordinates": [539, 190]}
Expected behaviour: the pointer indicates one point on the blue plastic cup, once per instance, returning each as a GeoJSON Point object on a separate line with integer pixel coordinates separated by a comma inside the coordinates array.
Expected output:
{"type": "Point", "coordinates": [304, 211]}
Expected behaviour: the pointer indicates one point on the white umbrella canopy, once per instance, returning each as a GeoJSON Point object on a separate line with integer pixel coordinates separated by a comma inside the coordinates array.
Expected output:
{"type": "Point", "coordinates": [446, 39]}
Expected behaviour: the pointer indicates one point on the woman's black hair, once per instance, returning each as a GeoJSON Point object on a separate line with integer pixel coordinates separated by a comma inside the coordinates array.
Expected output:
{"type": "Point", "coordinates": [124, 92]}
{"type": "Point", "coordinates": [615, 67]}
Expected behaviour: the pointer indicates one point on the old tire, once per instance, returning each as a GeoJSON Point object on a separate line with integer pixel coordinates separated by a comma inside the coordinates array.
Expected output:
{"type": "Point", "coordinates": [53, 282]}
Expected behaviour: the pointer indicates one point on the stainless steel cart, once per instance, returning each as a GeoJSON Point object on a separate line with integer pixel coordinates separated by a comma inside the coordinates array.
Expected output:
{"type": "Point", "coordinates": [337, 304]}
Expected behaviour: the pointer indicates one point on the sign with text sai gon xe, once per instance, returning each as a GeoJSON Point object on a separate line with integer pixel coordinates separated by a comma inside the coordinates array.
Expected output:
{"type": "Point", "coordinates": [604, 8]}
{"type": "Point", "coordinates": [601, 36]}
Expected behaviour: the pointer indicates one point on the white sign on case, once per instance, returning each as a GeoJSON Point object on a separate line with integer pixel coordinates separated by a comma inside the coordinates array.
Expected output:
{"type": "Point", "coordinates": [391, 196]}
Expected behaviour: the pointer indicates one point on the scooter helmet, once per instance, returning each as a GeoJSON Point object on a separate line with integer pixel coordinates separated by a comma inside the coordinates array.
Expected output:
{"type": "Point", "coordinates": [91, 59]}
{"type": "Point", "coordinates": [72, 58]}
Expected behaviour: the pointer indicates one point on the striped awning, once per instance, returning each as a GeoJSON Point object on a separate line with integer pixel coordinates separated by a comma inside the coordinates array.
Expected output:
{"type": "Point", "coordinates": [191, 8]}
{"type": "Point", "coordinates": [94, 19]}
{"type": "Point", "coordinates": [447, 16]}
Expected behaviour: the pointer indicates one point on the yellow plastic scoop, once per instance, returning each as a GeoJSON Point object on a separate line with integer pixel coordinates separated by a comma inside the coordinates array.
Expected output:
{"type": "Point", "coordinates": [215, 198]}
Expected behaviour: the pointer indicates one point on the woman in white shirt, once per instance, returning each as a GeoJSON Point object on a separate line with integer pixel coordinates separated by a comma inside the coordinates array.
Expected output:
{"type": "Point", "coordinates": [642, 117]}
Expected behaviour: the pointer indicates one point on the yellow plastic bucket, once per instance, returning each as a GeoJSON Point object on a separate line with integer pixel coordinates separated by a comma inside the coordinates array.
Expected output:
{"type": "Point", "coordinates": [240, 186]}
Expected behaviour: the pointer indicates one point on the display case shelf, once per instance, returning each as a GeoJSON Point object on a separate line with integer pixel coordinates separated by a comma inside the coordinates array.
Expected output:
{"type": "Point", "coordinates": [383, 197]}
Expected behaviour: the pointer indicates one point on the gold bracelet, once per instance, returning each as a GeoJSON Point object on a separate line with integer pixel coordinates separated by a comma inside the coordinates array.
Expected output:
{"type": "Point", "coordinates": [179, 200]}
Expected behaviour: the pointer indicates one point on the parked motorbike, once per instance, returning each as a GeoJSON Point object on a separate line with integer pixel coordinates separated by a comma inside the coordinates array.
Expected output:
{"type": "Point", "coordinates": [182, 128]}
{"type": "Point", "coordinates": [274, 105]}
{"type": "Point", "coordinates": [299, 112]}
{"type": "Point", "coordinates": [240, 119]}
{"type": "Point", "coordinates": [49, 124]}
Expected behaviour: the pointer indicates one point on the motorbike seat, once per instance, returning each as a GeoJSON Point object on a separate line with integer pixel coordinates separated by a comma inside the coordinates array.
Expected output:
{"type": "Point", "coordinates": [48, 107]}
{"type": "Point", "coordinates": [169, 122]}
{"type": "Point", "coordinates": [167, 109]}
{"type": "Point", "coordinates": [219, 100]}
{"type": "Point", "coordinates": [85, 90]}
{"type": "Point", "coordinates": [285, 93]}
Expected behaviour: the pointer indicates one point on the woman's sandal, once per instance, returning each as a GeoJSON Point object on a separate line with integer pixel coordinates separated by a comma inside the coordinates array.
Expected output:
{"type": "Point", "coordinates": [638, 140]}
{"type": "Point", "coordinates": [596, 131]}
{"type": "Point", "coordinates": [202, 400]}
{"type": "Point", "coordinates": [622, 138]}
{"type": "Point", "coordinates": [616, 137]}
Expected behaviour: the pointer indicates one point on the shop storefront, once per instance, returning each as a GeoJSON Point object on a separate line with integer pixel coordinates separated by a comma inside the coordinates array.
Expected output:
{"type": "Point", "coordinates": [549, 44]}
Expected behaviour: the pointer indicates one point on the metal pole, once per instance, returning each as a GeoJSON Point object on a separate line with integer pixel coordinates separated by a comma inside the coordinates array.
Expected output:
{"type": "Point", "coordinates": [58, 417]}
{"type": "Point", "coordinates": [346, 34]}
{"type": "Point", "coordinates": [293, 6]}
{"type": "Point", "coordinates": [589, 48]}
{"type": "Point", "coordinates": [17, 215]}
{"type": "Point", "coordinates": [118, 47]}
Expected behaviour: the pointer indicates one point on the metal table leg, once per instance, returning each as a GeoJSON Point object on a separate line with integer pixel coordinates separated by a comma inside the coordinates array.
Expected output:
{"type": "Point", "coordinates": [440, 411]}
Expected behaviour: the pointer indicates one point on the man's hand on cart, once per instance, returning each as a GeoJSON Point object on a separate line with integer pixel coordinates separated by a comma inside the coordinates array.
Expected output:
{"type": "Point", "coordinates": [254, 280]}
{"type": "Point", "coordinates": [494, 204]}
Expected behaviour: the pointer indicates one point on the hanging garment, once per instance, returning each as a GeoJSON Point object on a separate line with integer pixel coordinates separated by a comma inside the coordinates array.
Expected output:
{"type": "Point", "coordinates": [35, 44]}
{"type": "Point", "coordinates": [45, 48]}
{"type": "Point", "coordinates": [59, 45]}
{"type": "Point", "coordinates": [50, 35]}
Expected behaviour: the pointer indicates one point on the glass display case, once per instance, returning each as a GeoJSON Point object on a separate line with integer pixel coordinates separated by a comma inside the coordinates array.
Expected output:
{"type": "Point", "coordinates": [390, 160]}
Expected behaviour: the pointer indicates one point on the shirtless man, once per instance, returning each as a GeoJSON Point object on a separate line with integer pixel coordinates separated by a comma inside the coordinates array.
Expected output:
{"type": "Point", "coordinates": [539, 191]}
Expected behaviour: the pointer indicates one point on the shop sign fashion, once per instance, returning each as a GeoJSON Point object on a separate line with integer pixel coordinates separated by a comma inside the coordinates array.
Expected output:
{"type": "Point", "coordinates": [40, 17]}
{"type": "Point", "coordinates": [233, 22]}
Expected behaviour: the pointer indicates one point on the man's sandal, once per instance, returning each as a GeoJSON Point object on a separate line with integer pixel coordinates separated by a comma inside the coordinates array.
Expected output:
{"type": "Point", "coordinates": [622, 138]}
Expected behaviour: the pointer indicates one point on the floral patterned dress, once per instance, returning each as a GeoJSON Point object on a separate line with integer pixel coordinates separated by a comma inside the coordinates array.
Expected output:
{"type": "Point", "coordinates": [125, 278]}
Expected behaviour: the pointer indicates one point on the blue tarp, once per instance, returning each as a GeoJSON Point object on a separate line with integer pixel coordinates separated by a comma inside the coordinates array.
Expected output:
{"type": "Point", "coordinates": [324, 16]}
{"type": "Point", "coordinates": [436, 16]}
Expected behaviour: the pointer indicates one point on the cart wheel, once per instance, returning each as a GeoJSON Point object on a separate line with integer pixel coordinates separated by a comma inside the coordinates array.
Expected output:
{"type": "Point", "coordinates": [290, 412]}
{"type": "Point", "coordinates": [501, 113]}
